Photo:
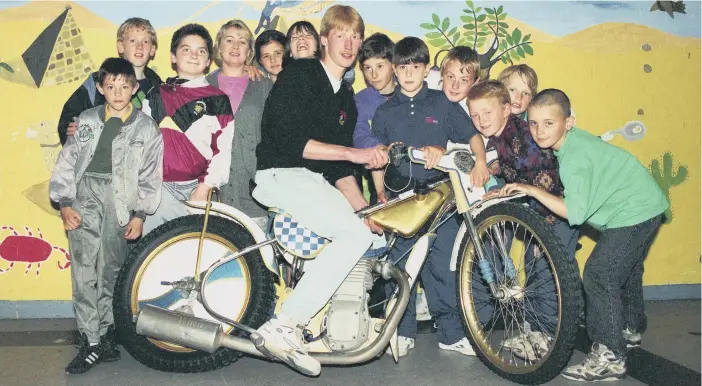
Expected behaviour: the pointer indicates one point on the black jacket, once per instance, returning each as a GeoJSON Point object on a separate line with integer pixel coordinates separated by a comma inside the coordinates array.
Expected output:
{"type": "Point", "coordinates": [87, 96]}
{"type": "Point", "coordinates": [302, 106]}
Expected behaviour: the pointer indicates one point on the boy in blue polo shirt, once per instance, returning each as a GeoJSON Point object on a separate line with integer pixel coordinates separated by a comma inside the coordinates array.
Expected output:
{"type": "Point", "coordinates": [426, 119]}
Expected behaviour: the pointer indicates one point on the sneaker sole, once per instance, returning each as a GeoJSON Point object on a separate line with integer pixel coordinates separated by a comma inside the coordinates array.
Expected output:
{"type": "Point", "coordinates": [449, 348]}
{"type": "Point", "coordinates": [594, 379]}
{"type": "Point", "coordinates": [259, 342]}
{"type": "Point", "coordinates": [111, 359]}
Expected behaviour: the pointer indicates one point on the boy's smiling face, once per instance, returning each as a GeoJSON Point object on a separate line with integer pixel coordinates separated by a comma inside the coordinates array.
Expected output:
{"type": "Point", "coordinates": [191, 58]}
{"type": "Point", "coordinates": [519, 93]}
{"type": "Point", "coordinates": [137, 46]}
{"type": "Point", "coordinates": [549, 125]}
{"type": "Point", "coordinates": [456, 81]}
{"type": "Point", "coordinates": [378, 73]}
{"type": "Point", "coordinates": [411, 77]}
{"type": "Point", "coordinates": [118, 92]}
{"type": "Point", "coordinates": [489, 115]}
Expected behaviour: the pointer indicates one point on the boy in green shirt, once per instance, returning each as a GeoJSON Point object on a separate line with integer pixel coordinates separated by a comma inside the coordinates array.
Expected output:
{"type": "Point", "coordinates": [609, 189]}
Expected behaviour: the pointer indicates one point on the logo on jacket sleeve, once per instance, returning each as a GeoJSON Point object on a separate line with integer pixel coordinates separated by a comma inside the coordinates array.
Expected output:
{"type": "Point", "coordinates": [200, 108]}
{"type": "Point", "coordinates": [85, 133]}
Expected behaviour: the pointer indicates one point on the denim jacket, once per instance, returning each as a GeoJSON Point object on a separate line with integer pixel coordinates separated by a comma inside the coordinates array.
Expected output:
{"type": "Point", "coordinates": [137, 163]}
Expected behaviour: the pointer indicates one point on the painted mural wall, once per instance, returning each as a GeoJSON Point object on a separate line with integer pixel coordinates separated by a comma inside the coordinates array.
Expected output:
{"type": "Point", "coordinates": [631, 69]}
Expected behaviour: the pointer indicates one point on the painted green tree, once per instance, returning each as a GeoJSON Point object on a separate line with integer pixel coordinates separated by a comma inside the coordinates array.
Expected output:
{"type": "Point", "coordinates": [484, 29]}
{"type": "Point", "coordinates": [667, 179]}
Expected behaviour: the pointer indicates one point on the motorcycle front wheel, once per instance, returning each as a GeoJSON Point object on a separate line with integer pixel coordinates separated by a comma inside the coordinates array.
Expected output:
{"type": "Point", "coordinates": [241, 290]}
{"type": "Point", "coordinates": [527, 333]}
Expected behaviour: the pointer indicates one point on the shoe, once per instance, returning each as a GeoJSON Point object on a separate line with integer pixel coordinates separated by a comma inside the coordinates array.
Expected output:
{"type": "Point", "coordinates": [462, 346]}
{"type": "Point", "coordinates": [87, 358]}
{"type": "Point", "coordinates": [422, 307]}
{"type": "Point", "coordinates": [404, 344]}
{"type": "Point", "coordinates": [600, 365]}
{"type": "Point", "coordinates": [529, 345]}
{"type": "Point", "coordinates": [279, 338]}
{"type": "Point", "coordinates": [108, 346]}
{"type": "Point", "coordinates": [633, 339]}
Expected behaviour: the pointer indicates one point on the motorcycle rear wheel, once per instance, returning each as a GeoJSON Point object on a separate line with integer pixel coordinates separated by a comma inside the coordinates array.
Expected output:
{"type": "Point", "coordinates": [241, 290]}
{"type": "Point", "coordinates": [554, 313]}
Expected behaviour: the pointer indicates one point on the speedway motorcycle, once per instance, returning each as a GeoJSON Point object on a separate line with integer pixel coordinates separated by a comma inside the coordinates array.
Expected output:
{"type": "Point", "coordinates": [193, 290]}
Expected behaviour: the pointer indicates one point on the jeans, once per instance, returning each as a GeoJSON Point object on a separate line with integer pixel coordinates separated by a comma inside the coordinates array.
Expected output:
{"type": "Point", "coordinates": [613, 281]}
{"type": "Point", "coordinates": [439, 284]}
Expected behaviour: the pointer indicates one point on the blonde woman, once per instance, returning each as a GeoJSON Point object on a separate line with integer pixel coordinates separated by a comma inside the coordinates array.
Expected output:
{"type": "Point", "coordinates": [233, 53]}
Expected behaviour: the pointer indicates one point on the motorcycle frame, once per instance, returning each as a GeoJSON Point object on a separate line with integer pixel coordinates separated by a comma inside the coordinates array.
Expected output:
{"type": "Point", "coordinates": [167, 325]}
{"type": "Point", "coordinates": [457, 201]}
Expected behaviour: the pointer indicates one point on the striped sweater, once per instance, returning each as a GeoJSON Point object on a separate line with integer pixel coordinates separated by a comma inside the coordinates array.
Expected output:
{"type": "Point", "coordinates": [197, 124]}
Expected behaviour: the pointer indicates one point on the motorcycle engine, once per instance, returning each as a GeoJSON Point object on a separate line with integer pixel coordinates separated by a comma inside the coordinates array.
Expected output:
{"type": "Point", "coordinates": [347, 319]}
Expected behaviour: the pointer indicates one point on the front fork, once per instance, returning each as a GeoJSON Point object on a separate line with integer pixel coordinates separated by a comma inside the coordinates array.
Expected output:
{"type": "Point", "coordinates": [486, 269]}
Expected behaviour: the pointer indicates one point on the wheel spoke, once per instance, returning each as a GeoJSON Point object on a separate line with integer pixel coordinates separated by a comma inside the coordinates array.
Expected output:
{"type": "Point", "coordinates": [532, 295]}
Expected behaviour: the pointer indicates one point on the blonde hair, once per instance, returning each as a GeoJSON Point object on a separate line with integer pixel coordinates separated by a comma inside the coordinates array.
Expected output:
{"type": "Point", "coordinates": [525, 72]}
{"type": "Point", "coordinates": [467, 60]}
{"type": "Point", "coordinates": [489, 89]}
{"type": "Point", "coordinates": [240, 26]}
{"type": "Point", "coordinates": [137, 23]}
{"type": "Point", "coordinates": [342, 17]}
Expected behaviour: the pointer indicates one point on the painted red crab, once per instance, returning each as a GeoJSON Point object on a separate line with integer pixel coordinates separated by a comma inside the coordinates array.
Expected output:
{"type": "Point", "coordinates": [28, 249]}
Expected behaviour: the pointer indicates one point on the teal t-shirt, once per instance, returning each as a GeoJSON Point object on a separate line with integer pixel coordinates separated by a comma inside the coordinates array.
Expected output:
{"type": "Point", "coordinates": [605, 186]}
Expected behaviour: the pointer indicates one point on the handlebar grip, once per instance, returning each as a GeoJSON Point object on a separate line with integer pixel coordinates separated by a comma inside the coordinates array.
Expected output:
{"type": "Point", "coordinates": [397, 154]}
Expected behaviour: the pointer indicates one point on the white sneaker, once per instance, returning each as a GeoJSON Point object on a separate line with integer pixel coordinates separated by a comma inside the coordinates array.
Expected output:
{"type": "Point", "coordinates": [601, 364]}
{"type": "Point", "coordinates": [279, 338]}
{"type": "Point", "coordinates": [462, 346]}
{"type": "Point", "coordinates": [404, 344]}
{"type": "Point", "coordinates": [633, 339]}
{"type": "Point", "coordinates": [529, 345]}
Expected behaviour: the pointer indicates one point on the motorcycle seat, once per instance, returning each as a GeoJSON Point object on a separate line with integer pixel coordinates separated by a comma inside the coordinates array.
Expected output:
{"type": "Point", "coordinates": [300, 241]}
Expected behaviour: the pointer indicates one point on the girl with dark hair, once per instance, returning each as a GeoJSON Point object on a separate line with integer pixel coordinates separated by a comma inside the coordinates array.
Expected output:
{"type": "Point", "coordinates": [270, 48]}
{"type": "Point", "coordinates": [303, 41]}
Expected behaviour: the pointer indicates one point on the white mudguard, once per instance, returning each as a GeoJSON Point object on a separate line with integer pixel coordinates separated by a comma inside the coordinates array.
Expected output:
{"type": "Point", "coordinates": [417, 256]}
{"type": "Point", "coordinates": [474, 212]}
{"type": "Point", "coordinates": [226, 211]}
{"type": "Point", "coordinates": [415, 260]}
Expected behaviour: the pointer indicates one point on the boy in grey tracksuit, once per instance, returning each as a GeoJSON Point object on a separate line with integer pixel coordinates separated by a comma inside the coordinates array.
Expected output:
{"type": "Point", "coordinates": [107, 178]}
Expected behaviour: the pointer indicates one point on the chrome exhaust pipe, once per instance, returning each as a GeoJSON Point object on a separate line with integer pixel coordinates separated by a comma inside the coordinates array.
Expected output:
{"type": "Point", "coordinates": [205, 335]}
{"type": "Point", "coordinates": [188, 331]}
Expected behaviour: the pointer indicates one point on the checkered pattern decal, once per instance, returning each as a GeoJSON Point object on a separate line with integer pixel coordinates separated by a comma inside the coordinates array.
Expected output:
{"type": "Point", "coordinates": [295, 238]}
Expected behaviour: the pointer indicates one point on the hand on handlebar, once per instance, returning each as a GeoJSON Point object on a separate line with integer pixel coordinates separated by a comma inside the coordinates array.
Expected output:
{"type": "Point", "coordinates": [480, 174]}
{"type": "Point", "coordinates": [432, 155]}
{"type": "Point", "coordinates": [373, 158]}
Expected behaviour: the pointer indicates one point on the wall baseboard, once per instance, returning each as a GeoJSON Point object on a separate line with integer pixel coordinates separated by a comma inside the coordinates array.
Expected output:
{"type": "Point", "coordinates": [48, 309]}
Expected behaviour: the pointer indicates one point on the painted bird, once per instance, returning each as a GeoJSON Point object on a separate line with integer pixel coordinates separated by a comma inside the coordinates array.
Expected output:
{"type": "Point", "coordinates": [669, 6]}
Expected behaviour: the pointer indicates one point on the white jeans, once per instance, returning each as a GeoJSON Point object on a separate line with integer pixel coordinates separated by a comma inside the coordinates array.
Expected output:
{"type": "Point", "coordinates": [322, 208]}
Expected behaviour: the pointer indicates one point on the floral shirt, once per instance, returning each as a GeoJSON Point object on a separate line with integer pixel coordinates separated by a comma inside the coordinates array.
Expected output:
{"type": "Point", "coordinates": [521, 160]}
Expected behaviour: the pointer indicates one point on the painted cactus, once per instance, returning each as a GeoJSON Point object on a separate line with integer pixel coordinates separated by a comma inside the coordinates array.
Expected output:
{"type": "Point", "coordinates": [666, 179]}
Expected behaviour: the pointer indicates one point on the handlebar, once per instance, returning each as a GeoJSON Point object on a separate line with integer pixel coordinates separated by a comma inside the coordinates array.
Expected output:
{"type": "Point", "coordinates": [397, 154]}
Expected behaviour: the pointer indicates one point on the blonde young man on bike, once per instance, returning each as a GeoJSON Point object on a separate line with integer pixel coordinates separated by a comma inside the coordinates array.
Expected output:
{"type": "Point", "coordinates": [305, 167]}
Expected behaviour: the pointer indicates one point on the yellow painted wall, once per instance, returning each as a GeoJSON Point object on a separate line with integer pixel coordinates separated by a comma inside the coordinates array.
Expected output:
{"type": "Point", "coordinates": [601, 69]}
